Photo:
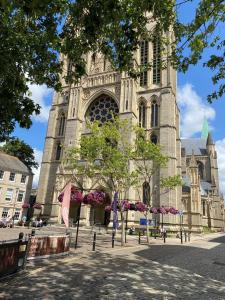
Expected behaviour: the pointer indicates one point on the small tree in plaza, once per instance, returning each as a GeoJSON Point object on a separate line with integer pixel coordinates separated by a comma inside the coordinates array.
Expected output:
{"type": "Point", "coordinates": [148, 160]}
{"type": "Point", "coordinates": [110, 153]}
{"type": "Point", "coordinates": [104, 155]}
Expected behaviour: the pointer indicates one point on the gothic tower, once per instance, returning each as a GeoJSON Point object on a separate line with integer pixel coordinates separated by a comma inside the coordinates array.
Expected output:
{"type": "Point", "coordinates": [149, 102]}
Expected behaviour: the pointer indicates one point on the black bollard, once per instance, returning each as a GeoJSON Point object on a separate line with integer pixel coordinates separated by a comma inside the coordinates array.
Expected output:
{"type": "Point", "coordinates": [21, 236]}
{"type": "Point", "coordinates": [181, 237]}
{"type": "Point", "coordinates": [155, 233]}
{"type": "Point", "coordinates": [139, 237]}
{"type": "Point", "coordinates": [33, 232]}
{"type": "Point", "coordinates": [113, 239]}
{"type": "Point", "coordinates": [164, 237]}
{"type": "Point", "coordinates": [94, 242]}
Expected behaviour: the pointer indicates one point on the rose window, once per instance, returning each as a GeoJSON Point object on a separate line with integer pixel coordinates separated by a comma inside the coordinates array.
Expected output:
{"type": "Point", "coordinates": [102, 109]}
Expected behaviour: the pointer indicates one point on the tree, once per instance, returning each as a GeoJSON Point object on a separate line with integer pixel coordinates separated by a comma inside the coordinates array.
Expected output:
{"type": "Point", "coordinates": [34, 33]}
{"type": "Point", "coordinates": [148, 162]}
{"type": "Point", "coordinates": [23, 151]}
{"type": "Point", "coordinates": [107, 154]}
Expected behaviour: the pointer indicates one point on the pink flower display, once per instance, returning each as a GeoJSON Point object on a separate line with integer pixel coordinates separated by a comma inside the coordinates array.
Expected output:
{"type": "Point", "coordinates": [108, 208]}
{"type": "Point", "coordinates": [154, 210]}
{"type": "Point", "coordinates": [125, 205]}
{"type": "Point", "coordinates": [167, 209]}
{"type": "Point", "coordinates": [173, 211]}
{"type": "Point", "coordinates": [26, 205]}
{"type": "Point", "coordinates": [76, 195]}
{"type": "Point", "coordinates": [95, 198]}
{"type": "Point", "coordinates": [140, 206]}
{"type": "Point", "coordinates": [162, 210]}
{"type": "Point", "coordinates": [37, 206]}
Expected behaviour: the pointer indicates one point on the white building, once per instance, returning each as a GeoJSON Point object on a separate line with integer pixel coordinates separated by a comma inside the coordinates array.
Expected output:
{"type": "Point", "coordinates": [15, 186]}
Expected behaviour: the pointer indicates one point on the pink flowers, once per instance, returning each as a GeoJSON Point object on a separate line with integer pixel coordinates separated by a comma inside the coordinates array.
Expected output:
{"type": "Point", "coordinates": [174, 211]}
{"type": "Point", "coordinates": [26, 205]}
{"type": "Point", "coordinates": [154, 210]}
{"type": "Point", "coordinates": [93, 198]}
{"type": "Point", "coordinates": [140, 206]}
{"type": "Point", "coordinates": [76, 195]}
{"type": "Point", "coordinates": [162, 210]}
{"type": "Point", "coordinates": [37, 206]}
{"type": "Point", "coordinates": [125, 205]}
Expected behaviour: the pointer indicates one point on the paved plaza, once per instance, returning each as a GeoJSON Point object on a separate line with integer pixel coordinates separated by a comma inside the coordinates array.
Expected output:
{"type": "Point", "coordinates": [194, 270]}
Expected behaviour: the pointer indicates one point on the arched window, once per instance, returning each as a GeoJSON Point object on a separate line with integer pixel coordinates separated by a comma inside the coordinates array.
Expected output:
{"type": "Point", "coordinates": [102, 108]}
{"type": "Point", "coordinates": [146, 193]}
{"type": "Point", "coordinates": [154, 139]}
{"type": "Point", "coordinates": [156, 61]}
{"type": "Point", "coordinates": [61, 124]}
{"type": "Point", "coordinates": [58, 151]}
{"type": "Point", "coordinates": [142, 115]}
{"type": "Point", "coordinates": [144, 62]}
{"type": "Point", "coordinates": [154, 114]}
{"type": "Point", "coordinates": [200, 169]}
{"type": "Point", "coordinates": [69, 67]}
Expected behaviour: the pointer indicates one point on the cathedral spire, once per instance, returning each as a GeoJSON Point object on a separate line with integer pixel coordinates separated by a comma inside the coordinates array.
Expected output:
{"type": "Point", "coordinates": [205, 129]}
{"type": "Point", "coordinates": [209, 139]}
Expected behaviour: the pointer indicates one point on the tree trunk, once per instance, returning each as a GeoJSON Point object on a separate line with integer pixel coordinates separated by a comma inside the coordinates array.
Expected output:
{"type": "Point", "coordinates": [122, 229]}
{"type": "Point", "coordinates": [147, 229]}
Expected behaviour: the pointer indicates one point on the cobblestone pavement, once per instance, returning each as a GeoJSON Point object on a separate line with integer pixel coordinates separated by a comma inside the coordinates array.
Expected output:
{"type": "Point", "coordinates": [172, 271]}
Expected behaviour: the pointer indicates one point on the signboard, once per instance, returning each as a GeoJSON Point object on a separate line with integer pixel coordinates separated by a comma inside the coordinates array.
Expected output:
{"type": "Point", "coordinates": [150, 222]}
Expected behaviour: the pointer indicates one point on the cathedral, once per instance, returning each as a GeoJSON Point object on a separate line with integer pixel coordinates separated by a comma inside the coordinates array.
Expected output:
{"type": "Point", "coordinates": [150, 102]}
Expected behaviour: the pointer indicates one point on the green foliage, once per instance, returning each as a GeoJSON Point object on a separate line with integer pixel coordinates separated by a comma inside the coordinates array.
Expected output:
{"type": "Point", "coordinates": [23, 151]}
{"type": "Point", "coordinates": [148, 160]}
{"type": "Point", "coordinates": [106, 153]}
{"type": "Point", "coordinates": [33, 33]}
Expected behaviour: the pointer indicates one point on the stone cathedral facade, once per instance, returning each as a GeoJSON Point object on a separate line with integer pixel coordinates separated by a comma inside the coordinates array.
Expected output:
{"type": "Point", "coordinates": [151, 103]}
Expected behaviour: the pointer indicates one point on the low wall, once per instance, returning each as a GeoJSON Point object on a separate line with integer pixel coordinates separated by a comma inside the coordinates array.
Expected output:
{"type": "Point", "coordinates": [47, 246]}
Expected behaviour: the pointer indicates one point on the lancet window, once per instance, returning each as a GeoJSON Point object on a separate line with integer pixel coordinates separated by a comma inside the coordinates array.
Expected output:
{"type": "Point", "coordinates": [154, 114]}
{"type": "Point", "coordinates": [142, 115]}
{"type": "Point", "coordinates": [144, 62]}
{"type": "Point", "coordinates": [156, 61]}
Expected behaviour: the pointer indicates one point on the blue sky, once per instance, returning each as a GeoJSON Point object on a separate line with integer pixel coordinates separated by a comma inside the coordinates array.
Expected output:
{"type": "Point", "coordinates": [193, 88]}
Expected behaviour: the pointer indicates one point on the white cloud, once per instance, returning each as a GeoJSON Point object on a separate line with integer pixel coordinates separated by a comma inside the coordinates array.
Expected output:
{"type": "Point", "coordinates": [38, 157]}
{"type": "Point", "coordinates": [193, 111]}
{"type": "Point", "coordinates": [39, 93]}
{"type": "Point", "coordinates": [220, 148]}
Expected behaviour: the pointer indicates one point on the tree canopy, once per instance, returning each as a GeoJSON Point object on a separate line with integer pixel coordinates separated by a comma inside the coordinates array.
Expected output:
{"type": "Point", "coordinates": [110, 154]}
{"type": "Point", "coordinates": [23, 151]}
{"type": "Point", "coordinates": [33, 34]}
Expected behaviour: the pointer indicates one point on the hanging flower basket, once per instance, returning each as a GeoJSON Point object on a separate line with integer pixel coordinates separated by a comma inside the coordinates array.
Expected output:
{"type": "Point", "coordinates": [173, 211]}
{"type": "Point", "coordinates": [37, 206]}
{"type": "Point", "coordinates": [132, 206]}
{"type": "Point", "coordinates": [167, 209]}
{"type": "Point", "coordinates": [76, 195]}
{"type": "Point", "coordinates": [140, 206]}
{"type": "Point", "coordinates": [162, 210]}
{"type": "Point", "coordinates": [153, 210]}
{"type": "Point", "coordinates": [96, 198]}
{"type": "Point", "coordinates": [126, 205]}
{"type": "Point", "coordinates": [26, 205]}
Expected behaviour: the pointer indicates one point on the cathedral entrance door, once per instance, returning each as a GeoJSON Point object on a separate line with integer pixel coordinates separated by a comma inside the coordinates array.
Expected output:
{"type": "Point", "coordinates": [73, 214]}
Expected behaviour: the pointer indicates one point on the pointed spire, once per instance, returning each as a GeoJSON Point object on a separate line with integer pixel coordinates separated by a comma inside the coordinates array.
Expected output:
{"type": "Point", "coordinates": [209, 139]}
{"type": "Point", "coordinates": [193, 162]}
{"type": "Point", "coordinates": [205, 129]}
